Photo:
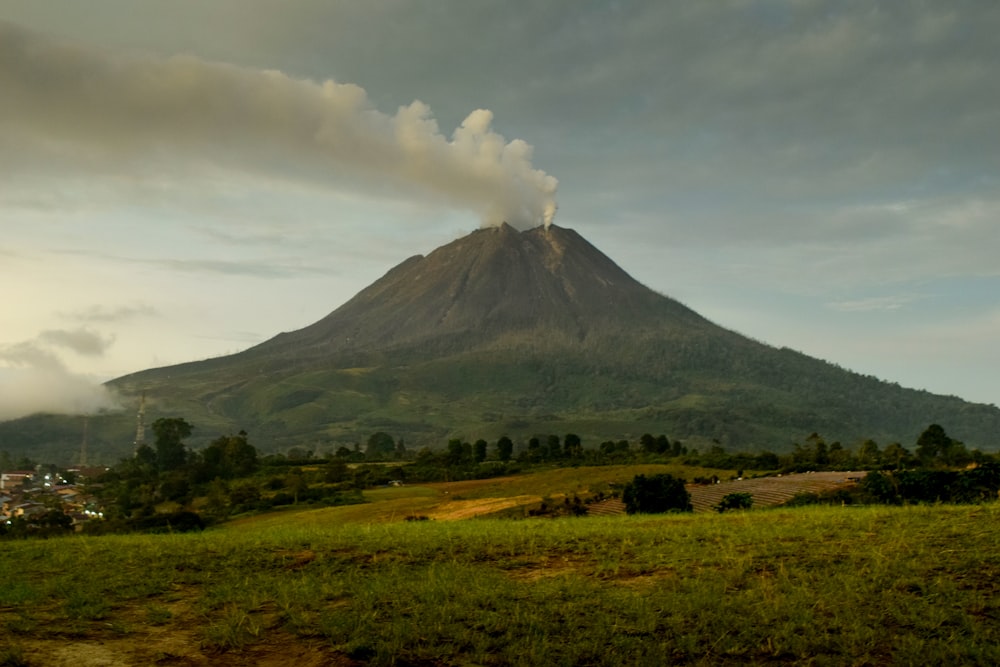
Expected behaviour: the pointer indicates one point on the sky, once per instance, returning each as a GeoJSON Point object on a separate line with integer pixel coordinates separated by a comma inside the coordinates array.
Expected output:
{"type": "Point", "coordinates": [183, 180]}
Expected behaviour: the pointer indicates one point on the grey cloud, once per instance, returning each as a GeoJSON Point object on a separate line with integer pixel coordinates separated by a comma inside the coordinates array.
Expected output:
{"type": "Point", "coordinates": [232, 268]}
{"type": "Point", "coordinates": [81, 341]}
{"type": "Point", "coordinates": [105, 314]}
{"type": "Point", "coordinates": [872, 303]}
{"type": "Point", "coordinates": [29, 354]}
{"type": "Point", "coordinates": [255, 268]}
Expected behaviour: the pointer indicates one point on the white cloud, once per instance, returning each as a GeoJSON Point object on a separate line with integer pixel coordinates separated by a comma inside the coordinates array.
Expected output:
{"type": "Point", "coordinates": [33, 379]}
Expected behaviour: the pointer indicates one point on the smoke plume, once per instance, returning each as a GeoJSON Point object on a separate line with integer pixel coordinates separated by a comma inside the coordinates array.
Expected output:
{"type": "Point", "coordinates": [105, 110]}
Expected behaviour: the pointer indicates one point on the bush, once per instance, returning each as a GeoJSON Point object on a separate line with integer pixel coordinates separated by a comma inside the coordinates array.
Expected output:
{"type": "Point", "coordinates": [656, 494]}
{"type": "Point", "coordinates": [734, 501]}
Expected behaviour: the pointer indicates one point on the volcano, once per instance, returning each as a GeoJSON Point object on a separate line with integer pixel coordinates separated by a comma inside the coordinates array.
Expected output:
{"type": "Point", "coordinates": [480, 292]}
{"type": "Point", "coordinates": [514, 333]}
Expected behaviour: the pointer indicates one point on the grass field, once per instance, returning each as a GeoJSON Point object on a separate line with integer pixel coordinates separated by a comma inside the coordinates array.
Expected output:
{"type": "Point", "coordinates": [911, 585]}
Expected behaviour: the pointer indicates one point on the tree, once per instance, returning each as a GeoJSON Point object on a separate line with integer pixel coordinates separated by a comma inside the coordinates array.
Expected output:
{"type": "Point", "coordinates": [656, 494]}
{"type": "Point", "coordinates": [677, 448]}
{"type": "Point", "coordinates": [648, 443]}
{"type": "Point", "coordinates": [145, 457]}
{"type": "Point", "coordinates": [456, 452]}
{"type": "Point", "coordinates": [572, 445]}
{"type": "Point", "coordinates": [869, 454]}
{"type": "Point", "coordinates": [380, 446]}
{"type": "Point", "coordinates": [505, 448]}
{"type": "Point", "coordinates": [766, 461]}
{"type": "Point", "coordinates": [479, 450]}
{"type": "Point", "coordinates": [895, 456]}
{"type": "Point", "coordinates": [296, 483]}
{"type": "Point", "coordinates": [228, 457]}
{"type": "Point", "coordinates": [170, 432]}
{"type": "Point", "coordinates": [880, 488]}
{"type": "Point", "coordinates": [933, 445]}
{"type": "Point", "coordinates": [336, 471]}
{"type": "Point", "coordinates": [555, 447]}
{"type": "Point", "coordinates": [534, 452]}
{"type": "Point", "coordinates": [734, 501]}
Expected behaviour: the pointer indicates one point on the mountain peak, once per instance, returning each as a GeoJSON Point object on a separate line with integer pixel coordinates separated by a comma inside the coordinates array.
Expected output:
{"type": "Point", "coordinates": [486, 285]}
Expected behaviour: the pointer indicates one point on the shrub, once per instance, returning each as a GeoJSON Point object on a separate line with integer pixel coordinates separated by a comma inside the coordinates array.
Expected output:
{"type": "Point", "coordinates": [656, 494]}
{"type": "Point", "coordinates": [735, 501]}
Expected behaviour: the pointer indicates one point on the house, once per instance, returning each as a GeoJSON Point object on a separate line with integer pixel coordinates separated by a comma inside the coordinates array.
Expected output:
{"type": "Point", "coordinates": [15, 478]}
{"type": "Point", "coordinates": [28, 510]}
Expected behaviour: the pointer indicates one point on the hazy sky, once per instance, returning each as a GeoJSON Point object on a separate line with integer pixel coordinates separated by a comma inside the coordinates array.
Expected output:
{"type": "Point", "coordinates": [183, 179]}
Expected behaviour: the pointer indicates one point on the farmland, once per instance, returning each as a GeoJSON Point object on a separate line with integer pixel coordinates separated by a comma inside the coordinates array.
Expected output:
{"type": "Point", "coordinates": [358, 585]}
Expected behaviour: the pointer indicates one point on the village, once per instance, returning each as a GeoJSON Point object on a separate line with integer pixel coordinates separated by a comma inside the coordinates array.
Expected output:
{"type": "Point", "coordinates": [48, 500]}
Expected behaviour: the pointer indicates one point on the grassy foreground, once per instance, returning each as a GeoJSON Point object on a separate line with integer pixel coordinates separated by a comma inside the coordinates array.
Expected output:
{"type": "Point", "coordinates": [912, 585]}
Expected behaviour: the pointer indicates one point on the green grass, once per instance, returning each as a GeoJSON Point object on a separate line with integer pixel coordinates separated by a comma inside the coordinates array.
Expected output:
{"type": "Point", "coordinates": [915, 585]}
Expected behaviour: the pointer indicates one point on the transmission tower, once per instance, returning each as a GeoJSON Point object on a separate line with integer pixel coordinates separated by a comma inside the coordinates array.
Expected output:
{"type": "Point", "coordinates": [83, 443]}
{"type": "Point", "coordinates": [140, 423]}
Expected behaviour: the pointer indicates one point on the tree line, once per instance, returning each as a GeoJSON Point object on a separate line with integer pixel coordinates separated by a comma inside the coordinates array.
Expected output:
{"type": "Point", "coordinates": [230, 476]}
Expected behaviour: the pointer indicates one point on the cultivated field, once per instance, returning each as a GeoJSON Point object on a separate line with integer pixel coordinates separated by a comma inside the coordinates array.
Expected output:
{"type": "Point", "coordinates": [771, 491]}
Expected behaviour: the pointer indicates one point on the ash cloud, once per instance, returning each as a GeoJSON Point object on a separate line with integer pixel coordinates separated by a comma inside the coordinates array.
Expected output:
{"type": "Point", "coordinates": [100, 110]}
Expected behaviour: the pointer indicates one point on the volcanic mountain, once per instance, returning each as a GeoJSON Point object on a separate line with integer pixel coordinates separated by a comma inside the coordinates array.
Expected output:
{"type": "Point", "coordinates": [479, 292]}
{"type": "Point", "coordinates": [534, 332]}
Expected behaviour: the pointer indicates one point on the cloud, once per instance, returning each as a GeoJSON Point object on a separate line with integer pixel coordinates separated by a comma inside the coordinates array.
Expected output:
{"type": "Point", "coordinates": [105, 315]}
{"type": "Point", "coordinates": [254, 268]}
{"type": "Point", "coordinates": [872, 303]}
{"type": "Point", "coordinates": [33, 379]}
{"type": "Point", "coordinates": [81, 341]}
{"type": "Point", "coordinates": [81, 106]}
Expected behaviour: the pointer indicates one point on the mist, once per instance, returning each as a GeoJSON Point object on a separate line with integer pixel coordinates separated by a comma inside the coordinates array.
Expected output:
{"type": "Point", "coordinates": [124, 114]}
{"type": "Point", "coordinates": [33, 379]}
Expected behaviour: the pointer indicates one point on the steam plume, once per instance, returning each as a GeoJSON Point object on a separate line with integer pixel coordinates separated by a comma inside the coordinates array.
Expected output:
{"type": "Point", "coordinates": [104, 110]}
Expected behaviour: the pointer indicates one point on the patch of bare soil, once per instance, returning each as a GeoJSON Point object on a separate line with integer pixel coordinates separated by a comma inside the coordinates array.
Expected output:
{"type": "Point", "coordinates": [465, 486]}
{"type": "Point", "coordinates": [133, 640]}
{"type": "Point", "coordinates": [466, 509]}
{"type": "Point", "coordinates": [547, 568]}
{"type": "Point", "coordinates": [178, 649]}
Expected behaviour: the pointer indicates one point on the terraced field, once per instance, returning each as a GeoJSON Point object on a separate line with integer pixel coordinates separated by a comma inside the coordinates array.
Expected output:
{"type": "Point", "coordinates": [770, 491]}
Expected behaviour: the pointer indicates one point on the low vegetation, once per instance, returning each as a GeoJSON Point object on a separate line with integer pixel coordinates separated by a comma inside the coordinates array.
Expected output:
{"type": "Point", "coordinates": [880, 585]}
{"type": "Point", "coordinates": [367, 562]}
